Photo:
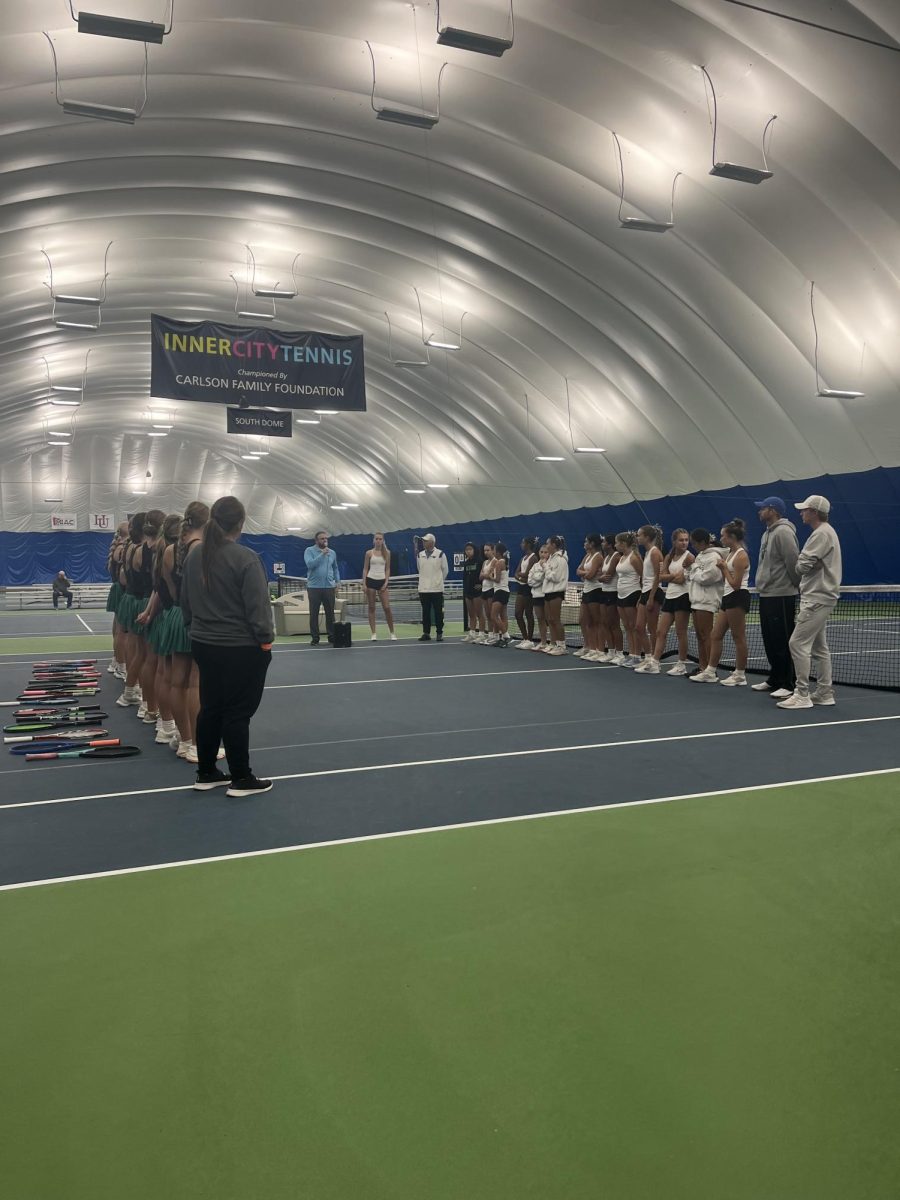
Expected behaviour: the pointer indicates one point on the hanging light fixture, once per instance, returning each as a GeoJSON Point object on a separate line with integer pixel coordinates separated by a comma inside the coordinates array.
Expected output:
{"type": "Point", "coordinates": [821, 390]}
{"type": "Point", "coordinates": [476, 43]}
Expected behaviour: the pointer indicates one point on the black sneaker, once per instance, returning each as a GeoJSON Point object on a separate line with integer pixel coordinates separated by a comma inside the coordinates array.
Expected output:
{"type": "Point", "coordinates": [426, 637]}
{"type": "Point", "coordinates": [440, 637]}
{"type": "Point", "coordinates": [207, 780]}
{"type": "Point", "coordinates": [314, 641]}
{"type": "Point", "coordinates": [251, 786]}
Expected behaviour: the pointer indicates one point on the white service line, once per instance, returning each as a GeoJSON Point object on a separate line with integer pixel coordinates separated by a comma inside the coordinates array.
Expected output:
{"type": "Point", "coordinates": [280, 687]}
{"type": "Point", "coordinates": [401, 833]}
{"type": "Point", "coordinates": [84, 623]}
{"type": "Point", "coordinates": [465, 758]}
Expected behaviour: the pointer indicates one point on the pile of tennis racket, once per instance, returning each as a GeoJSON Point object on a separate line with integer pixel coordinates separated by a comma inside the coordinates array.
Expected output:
{"type": "Point", "coordinates": [52, 719]}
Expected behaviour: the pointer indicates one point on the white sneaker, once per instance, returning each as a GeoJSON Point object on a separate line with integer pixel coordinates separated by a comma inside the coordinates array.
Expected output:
{"type": "Point", "coordinates": [707, 676]}
{"type": "Point", "coordinates": [652, 666]}
{"type": "Point", "coordinates": [190, 755]}
{"type": "Point", "coordinates": [630, 661]}
{"type": "Point", "coordinates": [184, 749]}
{"type": "Point", "coordinates": [760, 687]}
{"type": "Point", "coordinates": [618, 659]}
{"type": "Point", "coordinates": [525, 645]}
{"type": "Point", "coordinates": [491, 639]}
{"type": "Point", "coordinates": [825, 700]}
{"type": "Point", "coordinates": [642, 666]}
{"type": "Point", "coordinates": [120, 673]}
{"type": "Point", "coordinates": [680, 668]}
{"type": "Point", "coordinates": [735, 679]}
{"type": "Point", "coordinates": [163, 737]}
{"type": "Point", "coordinates": [781, 694]}
{"type": "Point", "coordinates": [142, 711]}
{"type": "Point", "coordinates": [794, 701]}
{"type": "Point", "coordinates": [111, 669]}
{"type": "Point", "coordinates": [557, 651]}
{"type": "Point", "coordinates": [481, 640]}
{"type": "Point", "coordinates": [393, 637]}
{"type": "Point", "coordinates": [175, 741]}
{"type": "Point", "coordinates": [374, 637]}
{"type": "Point", "coordinates": [581, 652]}
{"type": "Point", "coordinates": [128, 697]}
{"type": "Point", "coordinates": [150, 718]}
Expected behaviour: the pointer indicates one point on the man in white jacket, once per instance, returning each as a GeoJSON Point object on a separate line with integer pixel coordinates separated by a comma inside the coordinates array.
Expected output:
{"type": "Point", "coordinates": [432, 567]}
{"type": "Point", "coordinates": [820, 568]}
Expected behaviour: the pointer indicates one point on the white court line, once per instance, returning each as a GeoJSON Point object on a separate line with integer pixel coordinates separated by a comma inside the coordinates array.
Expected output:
{"type": "Point", "coordinates": [280, 687]}
{"type": "Point", "coordinates": [402, 833]}
{"type": "Point", "coordinates": [84, 623]}
{"type": "Point", "coordinates": [465, 758]}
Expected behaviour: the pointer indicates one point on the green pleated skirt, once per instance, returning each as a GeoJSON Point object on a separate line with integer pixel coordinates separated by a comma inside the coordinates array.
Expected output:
{"type": "Point", "coordinates": [114, 599]}
{"type": "Point", "coordinates": [130, 608]}
{"type": "Point", "coordinates": [169, 633]}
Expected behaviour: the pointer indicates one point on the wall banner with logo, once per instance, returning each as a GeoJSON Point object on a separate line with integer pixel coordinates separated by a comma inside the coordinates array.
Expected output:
{"type": "Point", "coordinates": [102, 522]}
{"type": "Point", "coordinates": [63, 521]}
{"type": "Point", "coordinates": [260, 422]}
{"type": "Point", "coordinates": [240, 364]}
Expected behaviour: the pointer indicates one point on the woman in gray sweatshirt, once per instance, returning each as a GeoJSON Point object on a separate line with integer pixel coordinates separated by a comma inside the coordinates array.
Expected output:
{"type": "Point", "coordinates": [225, 602]}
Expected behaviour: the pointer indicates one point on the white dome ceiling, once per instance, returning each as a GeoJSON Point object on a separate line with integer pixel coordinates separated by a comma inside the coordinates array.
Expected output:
{"type": "Point", "coordinates": [688, 355]}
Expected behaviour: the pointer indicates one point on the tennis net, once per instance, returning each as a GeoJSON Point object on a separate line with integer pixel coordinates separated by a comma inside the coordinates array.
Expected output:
{"type": "Point", "coordinates": [404, 597]}
{"type": "Point", "coordinates": [863, 636]}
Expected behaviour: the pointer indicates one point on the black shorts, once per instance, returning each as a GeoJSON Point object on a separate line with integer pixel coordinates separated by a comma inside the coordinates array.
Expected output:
{"type": "Point", "coordinates": [593, 597]}
{"type": "Point", "coordinates": [628, 601]}
{"type": "Point", "coordinates": [555, 595]}
{"type": "Point", "coordinates": [522, 589]}
{"type": "Point", "coordinates": [537, 601]}
{"type": "Point", "coordinates": [498, 597]}
{"type": "Point", "coordinates": [645, 597]}
{"type": "Point", "coordinates": [609, 598]}
{"type": "Point", "coordinates": [375, 584]}
{"type": "Point", "coordinates": [739, 599]}
{"type": "Point", "coordinates": [680, 603]}
{"type": "Point", "coordinates": [488, 595]}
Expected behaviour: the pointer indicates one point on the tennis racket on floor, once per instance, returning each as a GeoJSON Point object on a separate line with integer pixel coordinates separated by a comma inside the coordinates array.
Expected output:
{"type": "Point", "coordinates": [79, 680]}
{"type": "Point", "coordinates": [41, 712]}
{"type": "Point", "coordinates": [55, 735]}
{"type": "Point", "coordinates": [61, 694]}
{"type": "Point", "coordinates": [62, 744]}
{"type": "Point", "coordinates": [96, 752]}
{"type": "Point", "coordinates": [43, 726]}
{"type": "Point", "coordinates": [66, 663]}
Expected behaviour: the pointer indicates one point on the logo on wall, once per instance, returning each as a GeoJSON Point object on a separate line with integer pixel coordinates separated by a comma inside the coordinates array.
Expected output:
{"type": "Point", "coordinates": [277, 568]}
{"type": "Point", "coordinates": [102, 522]}
{"type": "Point", "coordinates": [238, 364]}
{"type": "Point", "coordinates": [459, 560]}
{"type": "Point", "coordinates": [64, 521]}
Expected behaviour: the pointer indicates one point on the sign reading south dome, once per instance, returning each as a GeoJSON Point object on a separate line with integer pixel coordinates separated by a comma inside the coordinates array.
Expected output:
{"type": "Point", "coordinates": [241, 364]}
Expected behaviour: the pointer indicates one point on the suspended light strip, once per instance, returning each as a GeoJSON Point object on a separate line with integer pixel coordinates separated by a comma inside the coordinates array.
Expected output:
{"type": "Point", "coordinates": [255, 316]}
{"type": "Point", "coordinates": [438, 486]}
{"type": "Point", "coordinates": [53, 499]}
{"type": "Point", "coordinates": [273, 293]}
{"type": "Point", "coordinates": [156, 433]}
{"type": "Point", "coordinates": [306, 421]}
{"type": "Point", "coordinates": [436, 345]}
{"type": "Point", "coordinates": [92, 301]}
{"type": "Point", "coordinates": [58, 433]}
{"type": "Point", "coordinates": [254, 457]}
{"type": "Point", "coordinates": [339, 507]}
{"type": "Point", "coordinates": [549, 458]}
{"type": "Point", "coordinates": [52, 443]}
{"type": "Point", "coordinates": [414, 491]}
{"type": "Point", "coordinates": [121, 27]}
{"type": "Point", "coordinates": [65, 387]}
{"type": "Point", "coordinates": [76, 324]}
{"type": "Point", "coordinates": [589, 450]}
{"type": "Point", "coordinates": [326, 412]}
{"type": "Point", "coordinates": [156, 426]}
{"type": "Point", "coordinates": [349, 504]}
{"type": "Point", "coordinates": [66, 403]}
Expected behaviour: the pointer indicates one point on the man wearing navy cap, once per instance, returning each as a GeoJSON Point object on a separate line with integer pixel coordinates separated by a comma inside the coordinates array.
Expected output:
{"type": "Point", "coordinates": [777, 582]}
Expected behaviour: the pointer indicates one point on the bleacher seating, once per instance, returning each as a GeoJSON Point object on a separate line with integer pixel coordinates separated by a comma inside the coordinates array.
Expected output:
{"type": "Point", "coordinates": [40, 595]}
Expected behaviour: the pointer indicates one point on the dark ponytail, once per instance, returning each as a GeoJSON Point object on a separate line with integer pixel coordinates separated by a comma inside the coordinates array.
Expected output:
{"type": "Point", "coordinates": [171, 529]}
{"type": "Point", "coordinates": [226, 516]}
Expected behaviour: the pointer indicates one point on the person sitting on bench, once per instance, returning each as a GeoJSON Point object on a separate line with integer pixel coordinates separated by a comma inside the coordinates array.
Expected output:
{"type": "Point", "coordinates": [62, 587]}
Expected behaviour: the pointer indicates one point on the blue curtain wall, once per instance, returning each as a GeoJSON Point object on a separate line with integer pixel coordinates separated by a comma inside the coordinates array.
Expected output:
{"type": "Point", "coordinates": [865, 513]}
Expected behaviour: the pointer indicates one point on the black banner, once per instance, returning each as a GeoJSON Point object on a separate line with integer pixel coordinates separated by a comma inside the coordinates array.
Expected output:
{"type": "Point", "coordinates": [260, 422]}
{"type": "Point", "coordinates": [229, 364]}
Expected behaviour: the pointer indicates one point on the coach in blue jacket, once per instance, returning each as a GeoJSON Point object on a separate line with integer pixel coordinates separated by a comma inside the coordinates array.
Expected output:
{"type": "Point", "coordinates": [322, 579]}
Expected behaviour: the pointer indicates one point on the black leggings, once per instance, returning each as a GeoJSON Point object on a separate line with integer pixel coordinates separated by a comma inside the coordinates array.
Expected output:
{"type": "Point", "coordinates": [232, 679]}
{"type": "Point", "coordinates": [432, 607]}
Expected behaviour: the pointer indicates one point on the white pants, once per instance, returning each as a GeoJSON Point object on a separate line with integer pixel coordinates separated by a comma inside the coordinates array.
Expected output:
{"type": "Point", "coordinates": [809, 645]}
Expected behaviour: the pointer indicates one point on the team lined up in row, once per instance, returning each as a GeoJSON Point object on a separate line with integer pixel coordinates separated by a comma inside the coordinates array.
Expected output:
{"type": "Point", "coordinates": [631, 600]}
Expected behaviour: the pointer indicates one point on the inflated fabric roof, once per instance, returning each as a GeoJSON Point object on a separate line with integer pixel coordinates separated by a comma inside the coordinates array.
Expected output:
{"type": "Point", "coordinates": [688, 355]}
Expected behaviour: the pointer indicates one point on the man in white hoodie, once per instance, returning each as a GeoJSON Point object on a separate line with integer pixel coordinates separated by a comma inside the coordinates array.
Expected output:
{"type": "Point", "coordinates": [432, 567]}
{"type": "Point", "coordinates": [820, 568]}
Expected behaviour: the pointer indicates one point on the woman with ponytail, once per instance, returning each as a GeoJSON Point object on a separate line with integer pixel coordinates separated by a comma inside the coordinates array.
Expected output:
{"type": "Point", "coordinates": [184, 678]}
{"type": "Point", "coordinates": [228, 615]}
{"type": "Point", "coordinates": [155, 618]}
{"type": "Point", "coordinates": [136, 578]}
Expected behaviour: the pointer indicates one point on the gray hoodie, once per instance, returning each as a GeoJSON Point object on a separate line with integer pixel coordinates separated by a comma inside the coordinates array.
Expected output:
{"type": "Point", "coordinates": [235, 609]}
{"type": "Point", "coordinates": [820, 567]}
{"type": "Point", "coordinates": [706, 582]}
{"type": "Point", "coordinates": [776, 571]}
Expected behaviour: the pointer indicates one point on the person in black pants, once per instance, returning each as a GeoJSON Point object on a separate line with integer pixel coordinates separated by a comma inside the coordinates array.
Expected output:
{"type": "Point", "coordinates": [432, 568]}
{"type": "Point", "coordinates": [225, 601]}
{"type": "Point", "coordinates": [777, 582]}
{"type": "Point", "coordinates": [62, 587]}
